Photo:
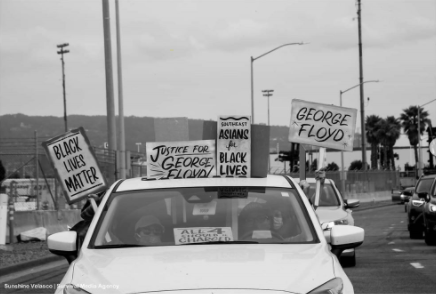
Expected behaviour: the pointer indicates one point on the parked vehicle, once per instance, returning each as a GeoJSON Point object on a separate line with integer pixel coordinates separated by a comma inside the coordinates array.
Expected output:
{"type": "Point", "coordinates": [429, 215]}
{"type": "Point", "coordinates": [415, 207]}
{"type": "Point", "coordinates": [237, 234]}
{"type": "Point", "coordinates": [406, 195]}
{"type": "Point", "coordinates": [334, 210]}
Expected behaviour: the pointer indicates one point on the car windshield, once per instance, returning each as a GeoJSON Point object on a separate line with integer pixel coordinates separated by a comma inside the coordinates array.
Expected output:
{"type": "Point", "coordinates": [424, 185]}
{"type": "Point", "coordinates": [203, 215]}
{"type": "Point", "coordinates": [327, 197]}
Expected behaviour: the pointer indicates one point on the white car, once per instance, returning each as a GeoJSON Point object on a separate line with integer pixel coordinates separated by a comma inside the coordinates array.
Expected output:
{"type": "Point", "coordinates": [334, 210]}
{"type": "Point", "coordinates": [209, 235]}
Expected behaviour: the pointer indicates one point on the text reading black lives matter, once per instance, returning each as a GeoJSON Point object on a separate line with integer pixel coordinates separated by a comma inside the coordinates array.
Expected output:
{"type": "Point", "coordinates": [233, 161]}
{"type": "Point", "coordinates": [184, 161]}
{"type": "Point", "coordinates": [330, 120]}
{"type": "Point", "coordinates": [76, 180]}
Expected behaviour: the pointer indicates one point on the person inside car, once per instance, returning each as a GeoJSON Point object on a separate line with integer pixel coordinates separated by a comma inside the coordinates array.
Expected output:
{"type": "Point", "coordinates": [149, 230]}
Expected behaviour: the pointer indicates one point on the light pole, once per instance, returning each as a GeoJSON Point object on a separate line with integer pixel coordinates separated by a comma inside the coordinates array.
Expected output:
{"type": "Point", "coordinates": [138, 144]}
{"type": "Point", "coordinates": [342, 152]}
{"type": "Point", "coordinates": [62, 52]}
{"type": "Point", "coordinates": [252, 60]}
{"type": "Point", "coordinates": [419, 137]}
{"type": "Point", "coordinates": [268, 94]}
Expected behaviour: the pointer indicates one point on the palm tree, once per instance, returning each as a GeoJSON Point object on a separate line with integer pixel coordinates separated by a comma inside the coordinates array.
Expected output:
{"type": "Point", "coordinates": [388, 134]}
{"type": "Point", "coordinates": [409, 122]}
{"type": "Point", "coordinates": [372, 127]}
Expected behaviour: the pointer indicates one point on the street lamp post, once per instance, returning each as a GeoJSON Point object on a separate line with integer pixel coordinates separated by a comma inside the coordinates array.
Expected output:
{"type": "Point", "coordinates": [252, 60]}
{"type": "Point", "coordinates": [419, 137]}
{"type": "Point", "coordinates": [62, 52]}
{"type": "Point", "coordinates": [268, 93]}
{"type": "Point", "coordinates": [342, 152]}
{"type": "Point", "coordinates": [138, 144]}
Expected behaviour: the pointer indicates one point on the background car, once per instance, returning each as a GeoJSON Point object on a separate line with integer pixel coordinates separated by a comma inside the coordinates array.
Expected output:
{"type": "Point", "coordinates": [415, 207]}
{"type": "Point", "coordinates": [212, 235]}
{"type": "Point", "coordinates": [429, 215]}
{"type": "Point", "coordinates": [334, 210]}
{"type": "Point", "coordinates": [406, 195]}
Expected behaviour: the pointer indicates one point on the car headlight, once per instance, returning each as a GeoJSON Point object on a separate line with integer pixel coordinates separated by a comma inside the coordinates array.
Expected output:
{"type": "Point", "coordinates": [334, 286]}
{"type": "Point", "coordinates": [417, 203]}
{"type": "Point", "coordinates": [432, 207]}
{"type": "Point", "coordinates": [335, 223]}
{"type": "Point", "coordinates": [71, 289]}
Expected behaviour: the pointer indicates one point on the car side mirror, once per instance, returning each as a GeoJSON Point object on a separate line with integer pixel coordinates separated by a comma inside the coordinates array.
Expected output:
{"type": "Point", "coordinates": [427, 198]}
{"type": "Point", "coordinates": [63, 244]}
{"type": "Point", "coordinates": [423, 195]}
{"type": "Point", "coordinates": [352, 203]}
{"type": "Point", "coordinates": [345, 237]}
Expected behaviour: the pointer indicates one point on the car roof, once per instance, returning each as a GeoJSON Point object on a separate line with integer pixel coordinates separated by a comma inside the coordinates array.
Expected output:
{"type": "Point", "coordinates": [428, 176]}
{"type": "Point", "coordinates": [313, 180]}
{"type": "Point", "coordinates": [143, 183]}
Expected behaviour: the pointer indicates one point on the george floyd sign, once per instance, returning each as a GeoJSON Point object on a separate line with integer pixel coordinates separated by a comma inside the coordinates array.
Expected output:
{"type": "Point", "coordinates": [75, 164]}
{"type": "Point", "coordinates": [322, 125]}
{"type": "Point", "coordinates": [234, 146]}
{"type": "Point", "coordinates": [179, 160]}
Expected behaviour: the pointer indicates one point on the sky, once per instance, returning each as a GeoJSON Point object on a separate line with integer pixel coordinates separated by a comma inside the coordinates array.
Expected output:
{"type": "Point", "coordinates": [192, 58]}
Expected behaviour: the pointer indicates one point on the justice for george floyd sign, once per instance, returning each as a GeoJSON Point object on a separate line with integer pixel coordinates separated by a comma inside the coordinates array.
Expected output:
{"type": "Point", "coordinates": [234, 146]}
{"type": "Point", "coordinates": [178, 160]}
{"type": "Point", "coordinates": [75, 164]}
{"type": "Point", "coordinates": [322, 125]}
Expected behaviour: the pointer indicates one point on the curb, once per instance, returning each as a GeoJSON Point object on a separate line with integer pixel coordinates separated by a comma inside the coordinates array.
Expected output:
{"type": "Point", "coordinates": [28, 264]}
{"type": "Point", "coordinates": [372, 206]}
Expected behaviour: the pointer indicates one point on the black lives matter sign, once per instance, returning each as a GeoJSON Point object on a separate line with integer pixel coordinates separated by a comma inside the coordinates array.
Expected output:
{"type": "Point", "coordinates": [322, 125]}
{"type": "Point", "coordinates": [234, 146]}
{"type": "Point", "coordinates": [75, 164]}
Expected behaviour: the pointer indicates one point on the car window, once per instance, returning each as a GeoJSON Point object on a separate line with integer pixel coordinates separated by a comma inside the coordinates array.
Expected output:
{"type": "Point", "coordinates": [186, 216]}
{"type": "Point", "coordinates": [424, 185]}
{"type": "Point", "coordinates": [327, 196]}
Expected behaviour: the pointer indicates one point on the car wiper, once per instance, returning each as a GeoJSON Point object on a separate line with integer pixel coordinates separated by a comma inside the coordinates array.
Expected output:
{"type": "Point", "coordinates": [117, 246]}
{"type": "Point", "coordinates": [222, 242]}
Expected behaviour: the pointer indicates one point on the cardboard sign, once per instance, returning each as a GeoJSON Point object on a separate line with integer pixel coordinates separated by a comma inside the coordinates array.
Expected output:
{"type": "Point", "coordinates": [432, 147]}
{"type": "Point", "coordinates": [234, 146]}
{"type": "Point", "coordinates": [322, 125]}
{"type": "Point", "coordinates": [75, 164]}
{"type": "Point", "coordinates": [178, 160]}
{"type": "Point", "coordinates": [201, 235]}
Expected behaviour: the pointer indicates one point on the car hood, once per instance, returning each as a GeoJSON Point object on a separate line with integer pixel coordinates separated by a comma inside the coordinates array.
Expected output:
{"type": "Point", "coordinates": [293, 268]}
{"type": "Point", "coordinates": [330, 213]}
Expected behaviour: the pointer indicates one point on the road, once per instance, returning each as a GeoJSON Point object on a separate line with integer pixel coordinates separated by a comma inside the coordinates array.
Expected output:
{"type": "Point", "coordinates": [387, 262]}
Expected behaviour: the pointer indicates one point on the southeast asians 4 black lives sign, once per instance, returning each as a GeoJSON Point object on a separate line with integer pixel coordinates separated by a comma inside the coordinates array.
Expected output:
{"type": "Point", "coordinates": [75, 164]}
{"type": "Point", "coordinates": [322, 125]}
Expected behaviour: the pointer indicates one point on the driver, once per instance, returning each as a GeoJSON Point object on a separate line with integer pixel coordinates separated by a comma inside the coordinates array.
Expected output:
{"type": "Point", "coordinates": [148, 230]}
{"type": "Point", "coordinates": [254, 217]}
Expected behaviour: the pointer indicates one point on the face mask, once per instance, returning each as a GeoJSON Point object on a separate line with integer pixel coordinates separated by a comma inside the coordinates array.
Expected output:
{"type": "Point", "coordinates": [152, 239]}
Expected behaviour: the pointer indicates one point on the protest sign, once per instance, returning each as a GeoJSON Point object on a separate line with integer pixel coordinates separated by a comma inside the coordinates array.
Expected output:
{"type": "Point", "coordinates": [432, 147]}
{"type": "Point", "coordinates": [177, 160]}
{"type": "Point", "coordinates": [322, 125]}
{"type": "Point", "coordinates": [75, 164]}
{"type": "Point", "coordinates": [234, 146]}
{"type": "Point", "coordinates": [201, 235]}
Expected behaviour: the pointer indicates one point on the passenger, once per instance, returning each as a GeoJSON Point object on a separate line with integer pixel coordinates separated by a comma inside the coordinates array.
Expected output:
{"type": "Point", "coordinates": [148, 230]}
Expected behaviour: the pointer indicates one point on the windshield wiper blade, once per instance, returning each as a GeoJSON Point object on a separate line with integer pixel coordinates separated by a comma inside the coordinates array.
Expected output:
{"type": "Point", "coordinates": [117, 246]}
{"type": "Point", "coordinates": [222, 242]}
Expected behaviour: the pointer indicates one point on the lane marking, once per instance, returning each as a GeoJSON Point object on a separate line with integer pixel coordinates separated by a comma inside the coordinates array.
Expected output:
{"type": "Point", "coordinates": [391, 243]}
{"type": "Point", "coordinates": [391, 227]}
{"type": "Point", "coordinates": [417, 265]}
{"type": "Point", "coordinates": [398, 250]}
{"type": "Point", "coordinates": [402, 221]}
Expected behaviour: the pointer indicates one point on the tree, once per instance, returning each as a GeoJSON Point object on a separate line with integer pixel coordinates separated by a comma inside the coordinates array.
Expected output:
{"type": "Point", "coordinates": [389, 131]}
{"type": "Point", "coordinates": [2, 172]}
{"type": "Point", "coordinates": [372, 136]}
{"type": "Point", "coordinates": [332, 166]}
{"type": "Point", "coordinates": [409, 122]}
{"type": "Point", "coordinates": [357, 165]}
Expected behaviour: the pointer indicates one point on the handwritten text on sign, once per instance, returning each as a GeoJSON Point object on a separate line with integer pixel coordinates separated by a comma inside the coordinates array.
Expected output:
{"type": "Point", "coordinates": [234, 146]}
{"type": "Point", "coordinates": [201, 235]}
{"type": "Point", "coordinates": [189, 159]}
{"type": "Point", "coordinates": [322, 125]}
{"type": "Point", "coordinates": [75, 165]}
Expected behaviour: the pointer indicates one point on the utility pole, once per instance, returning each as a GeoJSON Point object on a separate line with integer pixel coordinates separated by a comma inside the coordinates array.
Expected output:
{"type": "Point", "coordinates": [62, 52]}
{"type": "Point", "coordinates": [362, 101]}
{"type": "Point", "coordinates": [110, 104]}
{"type": "Point", "coordinates": [268, 93]}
